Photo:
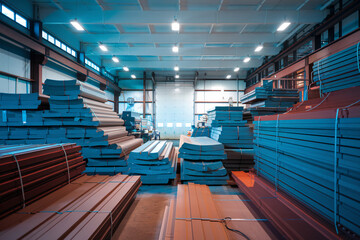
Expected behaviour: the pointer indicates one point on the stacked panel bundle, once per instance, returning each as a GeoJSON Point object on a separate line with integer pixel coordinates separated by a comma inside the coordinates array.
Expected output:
{"type": "Point", "coordinates": [201, 160]}
{"type": "Point", "coordinates": [91, 207]}
{"type": "Point", "coordinates": [338, 71]}
{"type": "Point", "coordinates": [312, 153]}
{"type": "Point", "coordinates": [155, 162]}
{"type": "Point", "coordinates": [30, 172]}
{"type": "Point", "coordinates": [201, 132]}
{"type": "Point", "coordinates": [229, 128]}
{"type": "Point", "coordinates": [132, 120]}
{"type": "Point", "coordinates": [267, 100]}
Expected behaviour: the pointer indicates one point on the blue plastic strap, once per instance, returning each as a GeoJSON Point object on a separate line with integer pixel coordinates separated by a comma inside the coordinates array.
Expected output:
{"type": "Point", "coordinates": [67, 162]}
{"type": "Point", "coordinates": [21, 181]}
{"type": "Point", "coordinates": [23, 116]}
{"type": "Point", "coordinates": [357, 56]}
{"type": "Point", "coordinates": [335, 172]}
{"type": "Point", "coordinates": [4, 116]}
{"type": "Point", "coordinates": [223, 219]}
{"type": "Point", "coordinates": [277, 154]}
{"type": "Point", "coordinates": [258, 145]}
{"type": "Point", "coordinates": [319, 77]}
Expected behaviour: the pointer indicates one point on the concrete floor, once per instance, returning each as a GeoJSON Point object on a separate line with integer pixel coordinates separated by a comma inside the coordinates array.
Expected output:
{"type": "Point", "coordinates": [143, 219]}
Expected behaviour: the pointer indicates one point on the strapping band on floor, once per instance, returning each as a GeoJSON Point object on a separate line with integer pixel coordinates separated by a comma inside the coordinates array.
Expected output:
{"type": "Point", "coordinates": [67, 162]}
{"type": "Point", "coordinates": [21, 180]}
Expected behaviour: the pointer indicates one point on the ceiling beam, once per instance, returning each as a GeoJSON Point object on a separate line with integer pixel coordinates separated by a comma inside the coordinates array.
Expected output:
{"type": "Point", "coordinates": [184, 17]}
{"type": "Point", "coordinates": [181, 38]}
{"type": "Point", "coordinates": [183, 51]}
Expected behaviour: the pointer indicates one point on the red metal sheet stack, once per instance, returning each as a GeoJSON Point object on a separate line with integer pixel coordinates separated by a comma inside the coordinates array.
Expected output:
{"type": "Point", "coordinates": [89, 208]}
{"type": "Point", "coordinates": [29, 172]}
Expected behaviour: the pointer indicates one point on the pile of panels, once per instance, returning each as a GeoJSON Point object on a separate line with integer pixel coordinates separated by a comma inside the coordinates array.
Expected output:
{"type": "Point", "coordinates": [201, 132]}
{"type": "Point", "coordinates": [313, 154]}
{"type": "Point", "coordinates": [89, 208]}
{"type": "Point", "coordinates": [267, 100]}
{"type": "Point", "coordinates": [29, 172]}
{"type": "Point", "coordinates": [19, 101]}
{"type": "Point", "coordinates": [77, 114]}
{"type": "Point", "coordinates": [132, 120]}
{"type": "Point", "coordinates": [155, 162]}
{"type": "Point", "coordinates": [338, 71]}
{"type": "Point", "coordinates": [201, 160]}
{"type": "Point", "coordinates": [229, 128]}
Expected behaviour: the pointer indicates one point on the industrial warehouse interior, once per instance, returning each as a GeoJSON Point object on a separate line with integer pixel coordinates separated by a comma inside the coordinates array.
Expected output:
{"type": "Point", "coordinates": [179, 119]}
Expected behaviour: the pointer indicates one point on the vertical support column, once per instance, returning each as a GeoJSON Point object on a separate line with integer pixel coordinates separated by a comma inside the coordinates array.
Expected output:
{"type": "Point", "coordinates": [116, 101]}
{"type": "Point", "coordinates": [307, 75]}
{"type": "Point", "coordinates": [36, 63]}
{"type": "Point", "coordinates": [144, 95]}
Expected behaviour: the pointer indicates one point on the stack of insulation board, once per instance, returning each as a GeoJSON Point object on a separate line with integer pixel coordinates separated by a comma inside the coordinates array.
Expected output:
{"type": "Point", "coordinates": [19, 101]}
{"type": "Point", "coordinates": [155, 162]}
{"type": "Point", "coordinates": [313, 154]}
{"type": "Point", "coordinates": [267, 100]}
{"type": "Point", "coordinates": [91, 207]}
{"type": "Point", "coordinates": [229, 128]}
{"type": "Point", "coordinates": [29, 172]}
{"type": "Point", "coordinates": [131, 120]}
{"type": "Point", "coordinates": [338, 71]}
{"type": "Point", "coordinates": [201, 132]}
{"type": "Point", "coordinates": [201, 160]}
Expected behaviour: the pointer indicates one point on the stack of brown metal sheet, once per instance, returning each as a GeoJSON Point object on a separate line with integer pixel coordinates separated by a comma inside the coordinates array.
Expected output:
{"type": "Point", "coordinates": [89, 208]}
{"type": "Point", "coordinates": [32, 171]}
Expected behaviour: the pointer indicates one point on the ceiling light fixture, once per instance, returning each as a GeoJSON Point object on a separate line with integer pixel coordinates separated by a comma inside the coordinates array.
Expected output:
{"type": "Point", "coordinates": [103, 47]}
{"type": "Point", "coordinates": [115, 59]}
{"type": "Point", "coordinates": [126, 69]}
{"type": "Point", "coordinates": [177, 76]}
{"type": "Point", "coordinates": [283, 26]}
{"type": "Point", "coordinates": [77, 25]}
{"type": "Point", "coordinates": [247, 59]}
{"type": "Point", "coordinates": [175, 49]}
{"type": "Point", "coordinates": [176, 68]}
{"type": "Point", "coordinates": [175, 26]}
{"type": "Point", "coordinates": [236, 69]}
{"type": "Point", "coordinates": [228, 76]}
{"type": "Point", "coordinates": [259, 48]}
{"type": "Point", "coordinates": [133, 76]}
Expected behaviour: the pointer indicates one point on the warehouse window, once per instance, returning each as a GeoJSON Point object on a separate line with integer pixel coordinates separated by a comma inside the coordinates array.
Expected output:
{"type": "Point", "coordinates": [160, 124]}
{"type": "Point", "coordinates": [58, 43]}
{"type": "Point", "coordinates": [350, 23]}
{"type": "Point", "coordinates": [169, 124]}
{"type": "Point", "coordinates": [324, 38]}
{"type": "Point", "coordinates": [92, 65]}
{"type": "Point", "coordinates": [187, 124]}
{"type": "Point", "coordinates": [178, 124]}
{"type": "Point", "coordinates": [14, 16]}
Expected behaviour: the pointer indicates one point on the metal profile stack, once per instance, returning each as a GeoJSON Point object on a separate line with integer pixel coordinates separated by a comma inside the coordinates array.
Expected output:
{"type": "Point", "coordinates": [29, 172]}
{"type": "Point", "coordinates": [91, 207]}
{"type": "Point", "coordinates": [229, 128]}
{"type": "Point", "coordinates": [313, 154]}
{"type": "Point", "coordinates": [201, 132]}
{"type": "Point", "coordinates": [132, 120]}
{"type": "Point", "coordinates": [155, 162]}
{"type": "Point", "coordinates": [201, 160]}
{"type": "Point", "coordinates": [338, 71]}
{"type": "Point", "coordinates": [267, 100]}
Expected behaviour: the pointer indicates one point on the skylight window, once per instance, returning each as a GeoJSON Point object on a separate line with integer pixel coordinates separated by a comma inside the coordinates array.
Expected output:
{"type": "Point", "coordinates": [58, 43]}
{"type": "Point", "coordinates": [7, 12]}
{"type": "Point", "coordinates": [20, 20]}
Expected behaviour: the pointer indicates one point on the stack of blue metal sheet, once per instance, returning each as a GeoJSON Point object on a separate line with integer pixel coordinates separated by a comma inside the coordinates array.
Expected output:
{"type": "Point", "coordinates": [19, 101]}
{"type": "Point", "coordinates": [201, 132]}
{"type": "Point", "coordinates": [200, 159]}
{"type": "Point", "coordinates": [313, 153]}
{"type": "Point", "coordinates": [131, 119]}
{"type": "Point", "coordinates": [338, 71]}
{"type": "Point", "coordinates": [267, 100]}
{"type": "Point", "coordinates": [155, 162]}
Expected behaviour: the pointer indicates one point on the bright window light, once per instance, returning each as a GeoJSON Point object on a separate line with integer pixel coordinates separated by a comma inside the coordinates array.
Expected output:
{"type": "Point", "coordinates": [177, 76]}
{"type": "Point", "coordinates": [51, 39]}
{"type": "Point", "coordinates": [20, 20]}
{"type": "Point", "coordinates": [236, 69]}
{"type": "Point", "coordinates": [258, 48]}
{"type": "Point", "coordinates": [63, 47]}
{"type": "Point", "coordinates": [7, 12]}
{"type": "Point", "coordinates": [44, 35]}
{"type": "Point", "coordinates": [103, 47]}
{"type": "Point", "coordinates": [247, 59]}
{"type": "Point", "coordinates": [57, 43]}
{"type": "Point", "coordinates": [115, 59]}
{"type": "Point", "coordinates": [126, 69]}
{"type": "Point", "coordinates": [68, 50]}
{"type": "Point", "coordinates": [178, 125]}
{"type": "Point", "coordinates": [77, 25]}
{"type": "Point", "coordinates": [169, 124]}
{"type": "Point", "coordinates": [175, 49]}
{"type": "Point", "coordinates": [187, 124]}
{"type": "Point", "coordinates": [283, 26]}
{"type": "Point", "coordinates": [228, 76]}
{"type": "Point", "coordinates": [73, 53]}
{"type": "Point", "coordinates": [133, 76]}
{"type": "Point", "coordinates": [160, 124]}
{"type": "Point", "coordinates": [176, 68]}
{"type": "Point", "coordinates": [175, 26]}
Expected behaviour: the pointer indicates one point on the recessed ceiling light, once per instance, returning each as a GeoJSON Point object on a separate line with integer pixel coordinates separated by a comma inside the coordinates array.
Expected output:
{"type": "Point", "coordinates": [176, 68]}
{"type": "Point", "coordinates": [126, 69]}
{"type": "Point", "coordinates": [258, 48]}
{"type": "Point", "coordinates": [177, 76]}
{"type": "Point", "coordinates": [133, 76]}
{"type": "Point", "coordinates": [236, 69]}
{"type": "Point", "coordinates": [283, 26]}
{"type": "Point", "coordinates": [77, 25]}
{"type": "Point", "coordinates": [247, 59]}
{"type": "Point", "coordinates": [103, 47]}
{"type": "Point", "coordinates": [175, 26]}
{"type": "Point", "coordinates": [175, 49]}
{"type": "Point", "coordinates": [115, 59]}
{"type": "Point", "coordinates": [228, 76]}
